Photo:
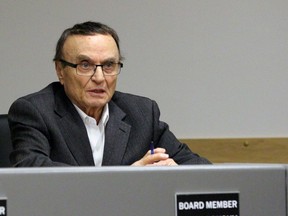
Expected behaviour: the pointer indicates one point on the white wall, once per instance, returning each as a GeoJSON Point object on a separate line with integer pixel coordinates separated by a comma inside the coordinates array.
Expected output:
{"type": "Point", "coordinates": [217, 68]}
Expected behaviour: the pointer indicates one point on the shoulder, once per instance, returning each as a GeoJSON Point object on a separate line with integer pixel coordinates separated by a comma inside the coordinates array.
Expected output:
{"type": "Point", "coordinates": [121, 98]}
{"type": "Point", "coordinates": [42, 98]}
{"type": "Point", "coordinates": [49, 90]}
{"type": "Point", "coordinates": [46, 92]}
{"type": "Point", "coordinates": [131, 103]}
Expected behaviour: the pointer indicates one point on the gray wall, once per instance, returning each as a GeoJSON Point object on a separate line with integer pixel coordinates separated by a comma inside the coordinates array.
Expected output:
{"type": "Point", "coordinates": [217, 68]}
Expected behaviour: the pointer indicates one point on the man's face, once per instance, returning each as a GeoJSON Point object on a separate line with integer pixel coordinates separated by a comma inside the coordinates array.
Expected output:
{"type": "Point", "coordinates": [89, 93]}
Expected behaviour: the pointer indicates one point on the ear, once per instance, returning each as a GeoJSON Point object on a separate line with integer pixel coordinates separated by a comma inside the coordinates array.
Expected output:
{"type": "Point", "coordinates": [59, 71]}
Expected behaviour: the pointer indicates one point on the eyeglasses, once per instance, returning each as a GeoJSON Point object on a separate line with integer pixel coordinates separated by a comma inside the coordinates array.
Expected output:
{"type": "Point", "coordinates": [85, 68]}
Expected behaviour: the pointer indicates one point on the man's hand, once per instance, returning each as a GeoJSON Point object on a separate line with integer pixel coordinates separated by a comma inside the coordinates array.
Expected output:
{"type": "Point", "coordinates": [159, 158]}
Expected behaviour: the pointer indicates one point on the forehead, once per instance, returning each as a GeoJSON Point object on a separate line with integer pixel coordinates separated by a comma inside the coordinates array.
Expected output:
{"type": "Point", "coordinates": [92, 46]}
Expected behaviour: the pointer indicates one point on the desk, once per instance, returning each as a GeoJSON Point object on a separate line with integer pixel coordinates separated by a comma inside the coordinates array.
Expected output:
{"type": "Point", "coordinates": [144, 191]}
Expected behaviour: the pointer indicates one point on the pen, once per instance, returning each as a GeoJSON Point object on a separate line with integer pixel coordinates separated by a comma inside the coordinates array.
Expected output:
{"type": "Point", "coordinates": [152, 147]}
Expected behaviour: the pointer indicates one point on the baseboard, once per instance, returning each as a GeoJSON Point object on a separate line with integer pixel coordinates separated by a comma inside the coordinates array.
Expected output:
{"type": "Point", "coordinates": [241, 150]}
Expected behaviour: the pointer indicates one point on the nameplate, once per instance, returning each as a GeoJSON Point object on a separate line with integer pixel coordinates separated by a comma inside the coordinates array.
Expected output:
{"type": "Point", "coordinates": [212, 204]}
{"type": "Point", "coordinates": [3, 207]}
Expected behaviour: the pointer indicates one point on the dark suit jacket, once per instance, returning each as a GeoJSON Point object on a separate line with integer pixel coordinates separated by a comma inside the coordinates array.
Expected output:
{"type": "Point", "coordinates": [47, 130]}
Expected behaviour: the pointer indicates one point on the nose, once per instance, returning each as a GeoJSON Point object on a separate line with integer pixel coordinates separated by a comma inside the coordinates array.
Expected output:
{"type": "Point", "coordinates": [98, 74]}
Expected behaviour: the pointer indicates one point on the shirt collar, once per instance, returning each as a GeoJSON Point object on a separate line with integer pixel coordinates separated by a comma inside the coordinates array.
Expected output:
{"type": "Point", "coordinates": [103, 120]}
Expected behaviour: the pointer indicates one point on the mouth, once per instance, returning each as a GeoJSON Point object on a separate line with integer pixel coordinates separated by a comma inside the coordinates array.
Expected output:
{"type": "Point", "coordinates": [96, 91]}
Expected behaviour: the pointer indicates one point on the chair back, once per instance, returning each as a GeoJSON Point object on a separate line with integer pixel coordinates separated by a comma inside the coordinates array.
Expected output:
{"type": "Point", "coordinates": [5, 141]}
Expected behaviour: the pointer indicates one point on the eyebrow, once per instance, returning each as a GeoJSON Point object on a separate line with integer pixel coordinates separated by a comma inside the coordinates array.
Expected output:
{"type": "Point", "coordinates": [83, 57]}
{"type": "Point", "coordinates": [87, 58]}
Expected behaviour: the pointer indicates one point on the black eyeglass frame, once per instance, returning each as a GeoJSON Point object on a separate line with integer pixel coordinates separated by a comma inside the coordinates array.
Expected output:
{"type": "Point", "coordinates": [95, 67]}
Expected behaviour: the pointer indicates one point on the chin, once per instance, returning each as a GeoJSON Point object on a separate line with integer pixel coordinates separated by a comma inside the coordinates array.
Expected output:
{"type": "Point", "coordinates": [98, 104]}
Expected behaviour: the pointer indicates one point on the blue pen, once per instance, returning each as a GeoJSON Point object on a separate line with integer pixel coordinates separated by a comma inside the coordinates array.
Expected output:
{"type": "Point", "coordinates": [152, 147]}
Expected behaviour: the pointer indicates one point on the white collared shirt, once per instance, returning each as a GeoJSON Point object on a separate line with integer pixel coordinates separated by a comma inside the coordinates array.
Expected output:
{"type": "Point", "coordinates": [96, 133]}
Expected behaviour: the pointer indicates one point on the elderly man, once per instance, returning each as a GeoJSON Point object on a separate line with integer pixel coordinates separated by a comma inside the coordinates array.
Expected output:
{"type": "Point", "coordinates": [82, 121]}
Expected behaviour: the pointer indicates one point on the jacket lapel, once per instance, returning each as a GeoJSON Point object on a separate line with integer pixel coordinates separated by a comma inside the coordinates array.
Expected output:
{"type": "Point", "coordinates": [116, 136]}
{"type": "Point", "coordinates": [73, 128]}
